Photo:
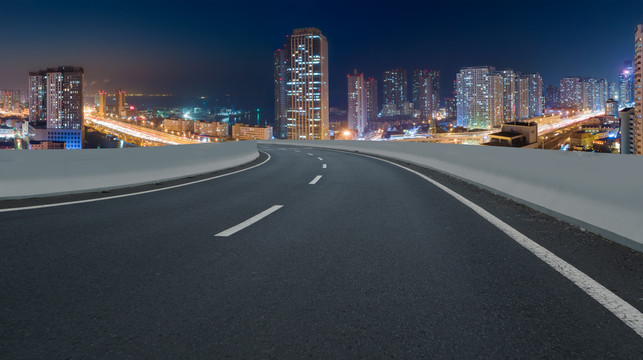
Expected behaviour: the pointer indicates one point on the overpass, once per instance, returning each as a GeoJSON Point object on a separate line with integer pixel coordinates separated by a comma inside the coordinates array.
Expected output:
{"type": "Point", "coordinates": [317, 249]}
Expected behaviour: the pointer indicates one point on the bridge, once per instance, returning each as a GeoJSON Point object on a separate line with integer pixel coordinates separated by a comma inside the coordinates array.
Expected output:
{"type": "Point", "coordinates": [320, 249]}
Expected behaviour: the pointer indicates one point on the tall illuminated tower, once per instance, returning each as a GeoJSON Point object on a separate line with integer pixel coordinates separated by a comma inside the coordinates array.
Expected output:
{"type": "Point", "coordinates": [102, 102]}
{"type": "Point", "coordinates": [626, 84]}
{"type": "Point", "coordinates": [475, 90]}
{"type": "Point", "coordinates": [638, 90]}
{"type": "Point", "coordinates": [536, 98]}
{"type": "Point", "coordinates": [357, 102]}
{"type": "Point", "coordinates": [522, 97]}
{"type": "Point", "coordinates": [279, 65]}
{"type": "Point", "coordinates": [371, 100]}
{"type": "Point", "coordinates": [120, 104]}
{"type": "Point", "coordinates": [37, 96]}
{"type": "Point", "coordinates": [395, 91]}
{"type": "Point", "coordinates": [307, 111]}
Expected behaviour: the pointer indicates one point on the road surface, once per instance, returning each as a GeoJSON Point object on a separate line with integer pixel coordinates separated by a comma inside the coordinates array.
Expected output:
{"type": "Point", "coordinates": [312, 253]}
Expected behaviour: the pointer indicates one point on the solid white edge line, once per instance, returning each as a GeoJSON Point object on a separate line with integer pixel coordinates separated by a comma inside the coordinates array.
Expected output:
{"type": "Point", "coordinates": [324, 166]}
{"type": "Point", "coordinates": [320, 159]}
{"type": "Point", "coordinates": [249, 222]}
{"type": "Point", "coordinates": [627, 313]}
{"type": "Point", "coordinates": [315, 180]}
{"type": "Point", "coordinates": [132, 194]}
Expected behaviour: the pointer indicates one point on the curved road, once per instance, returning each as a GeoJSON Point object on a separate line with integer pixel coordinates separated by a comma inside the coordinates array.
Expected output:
{"type": "Point", "coordinates": [367, 261]}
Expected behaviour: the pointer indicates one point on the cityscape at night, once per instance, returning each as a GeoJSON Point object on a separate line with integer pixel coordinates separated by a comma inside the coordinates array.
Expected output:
{"type": "Point", "coordinates": [206, 179]}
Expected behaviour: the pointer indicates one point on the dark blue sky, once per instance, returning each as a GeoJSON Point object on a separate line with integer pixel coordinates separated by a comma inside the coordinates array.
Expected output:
{"type": "Point", "coordinates": [215, 47]}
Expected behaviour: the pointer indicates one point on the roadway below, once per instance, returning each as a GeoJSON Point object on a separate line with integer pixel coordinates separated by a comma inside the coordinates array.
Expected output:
{"type": "Point", "coordinates": [312, 253]}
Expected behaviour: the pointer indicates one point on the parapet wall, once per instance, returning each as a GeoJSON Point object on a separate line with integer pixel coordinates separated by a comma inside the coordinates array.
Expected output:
{"type": "Point", "coordinates": [37, 173]}
{"type": "Point", "coordinates": [602, 193]}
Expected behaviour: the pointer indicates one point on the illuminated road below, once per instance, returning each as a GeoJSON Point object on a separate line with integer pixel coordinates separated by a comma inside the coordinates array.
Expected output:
{"type": "Point", "coordinates": [313, 254]}
{"type": "Point", "coordinates": [138, 132]}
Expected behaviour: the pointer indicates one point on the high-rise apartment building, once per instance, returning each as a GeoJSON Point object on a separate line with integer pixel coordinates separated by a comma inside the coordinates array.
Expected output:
{"type": "Point", "coordinates": [426, 93]}
{"type": "Point", "coordinates": [119, 107]}
{"type": "Point", "coordinates": [102, 102]}
{"type": "Point", "coordinates": [61, 104]}
{"type": "Point", "coordinates": [476, 88]}
{"type": "Point", "coordinates": [508, 78]}
{"type": "Point", "coordinates": [371, 100]}
{"type": "Point", "coordinates": [571, 92]}
{"type": "Point", "coordinates": [522, 97]}
{"type": "Point", "coordinates": [357, 102]}
{"type": "Point", "coordinates": [307, 111]}
{"type": "Point", "coordinates": [395, 92]}
{"type": "Point", "coordinates": [613, 92]}
{"type": "Point", "coordinates": [626, 84]}
{"type": "Point", "coordinates": [536, 98]}
{"type": "Point", "coordinates": [279, 66]}
{"type": "Point", "coordinates": [552, 94]}
{"type": "Point", "coordinates": [37, 96]}
{"type": "Point", "coordinates": [638, 90]}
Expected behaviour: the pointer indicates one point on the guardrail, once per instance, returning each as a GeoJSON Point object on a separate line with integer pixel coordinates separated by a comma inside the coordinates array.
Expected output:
{"type": "Point", "coordinates": [37, 173]}
{"type": "Point", "coordinates": [602, 193]}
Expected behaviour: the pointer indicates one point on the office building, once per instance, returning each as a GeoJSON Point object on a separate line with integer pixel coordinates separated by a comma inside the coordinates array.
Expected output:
{"type": "Point", "coordinates": [611, 108]}
{"type": "Point", "coordinates": [638, 90]}
{"type": "Point", "coordinates": [119, 107]}
{"type": "Point", "coordinates": [552, 93]}
{"type": "Point", "coordinates": [246, 132]}
{"type": "Point", "coordinates": [102, 103]}
{"type": "Point", "coordinates": [356, 102]}
{"type": "Point", "coordinates": [371, 100]}
{"type": "Point", "coordinates": [279, 65]}
{"type": "Point", "coordinates": [307, 110]}
{"type": "Point", "coordinates": [395, 92]}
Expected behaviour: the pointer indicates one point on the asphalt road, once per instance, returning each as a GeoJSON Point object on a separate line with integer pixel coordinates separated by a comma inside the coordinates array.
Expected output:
{"type": "Point", "coordinates": [369, 261]}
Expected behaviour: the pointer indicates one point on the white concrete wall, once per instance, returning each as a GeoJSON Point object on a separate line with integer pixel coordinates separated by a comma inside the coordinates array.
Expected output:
{"type": "Point", "coordinates": [600, 192]}
{"type": "Point", "coordinates": [35, 173]}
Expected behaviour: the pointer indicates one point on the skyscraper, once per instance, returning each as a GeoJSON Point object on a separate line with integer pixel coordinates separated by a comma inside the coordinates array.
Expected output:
{"type": "Point", "coordinates": [395, 91]}
{"type": "Point", "coordinates": [552, 94]}
{"type": "Point", "coordinates": [37, 96]}
{"type": "Point", "coordinates": [102, 102]}
{"type": "Point", "coordinates": [120, 104]}
{"type": "Point", "coordinates": [626, 84]}
{"type": "Point", "coordinates": [571, 93]}
{"type": "Point", "coordinates": [522, 97]}
{"type": "Point", "coordinates": [638, 90]}
{"type": "Point", "coordinates": [508, 79]}
{"type": "Point", "coordinates": [307, 86]}
{"type": "Point", "coordinates": [371, 100]}
{"type": "Point", "coordinates": [61, 103]}
{"type": "Point", "coordinates": [280, 93]}
{"type": "Point", "coordinates": [474, 97]}
{"type": "Point", "coordinates": [536, 98]}
{"type": "Point", "coordinates": [357, 100]}
{"type": "Point", "coordinates": [423, 94]}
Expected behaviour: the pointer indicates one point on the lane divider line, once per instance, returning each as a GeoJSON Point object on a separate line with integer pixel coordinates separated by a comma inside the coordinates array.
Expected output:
{"type": "Point", "coordinates": [324, 166]}
{"type": "Point", "coordinates": [627, 313]}
{"type": "Point", "coordinates": [296, 151]}
{"type": "Point", "coordinates": [132, 194]}
{"type": "Point", "coordinates": [315, 180]}
{"type": "Point", "coordinates": [310, 154]}
{"type": "Point", "coordinates": [320, 159]}
{"type": "Point", "coordinates": [252, 220]}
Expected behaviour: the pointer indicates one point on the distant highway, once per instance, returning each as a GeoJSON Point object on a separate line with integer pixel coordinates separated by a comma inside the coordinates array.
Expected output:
{"type": "Point", "coordinates": [311, 253]}
{"type": "Point", "coordinates": [138, 132]}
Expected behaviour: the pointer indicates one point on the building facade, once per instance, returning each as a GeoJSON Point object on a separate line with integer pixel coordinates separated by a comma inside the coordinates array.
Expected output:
{"type": "Point", "coordinates": [247, 132]}
{"type": "Point", "coordinates": [279, 64]}
{"type": "Point", "coordinates": [522, 97]}
{"type": "Point", "coordinates": [638, 90]}
{"type": "Point", "coordinates": [394, 86]}
{"type": "Point", "coordinates": [119, 107]}
{"type": "Point", "coordinates": [37, 96]}
{"type": "Point", "coordinates": [626, 84]}
{"type": "Point", "coordinates": [473, 97]}
{"type": "Point", "coordinates": [357, 103]}
{"type": "Point", "coordinates": [371, 100]}
{"type": "Point", "coordinates": [536, 98]}
{"type": "Point", "coordinates": [102, 103]}
{"type": "Point", "coordinates": [307, 109]}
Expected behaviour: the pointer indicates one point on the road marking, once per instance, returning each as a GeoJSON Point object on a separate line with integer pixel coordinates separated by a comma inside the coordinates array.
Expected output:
{"type": "Point", "coordinates": [324, 166]}
{"type": "Point", "coordinates": [131, 194]}
{"type": "Point", "coordinates": [320, 159]}
{"type": "Point", "coordinates": [612, 302]}
{"type": "Point", "coordinates": [315, 180]}
{"type": "Point", "coordinates": [249, 222]}
{"type": "Point", "coordinates": [296, 151]}
{"type": "Point", "coordinates": [310, 154]}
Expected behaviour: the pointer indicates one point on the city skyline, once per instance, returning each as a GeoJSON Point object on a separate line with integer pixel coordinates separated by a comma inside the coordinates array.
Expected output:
{"type": "Point", "coordinates": [175, 49]}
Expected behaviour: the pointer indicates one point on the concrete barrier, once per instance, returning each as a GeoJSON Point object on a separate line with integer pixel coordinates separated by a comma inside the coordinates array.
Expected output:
{"type": "Point", "coordinates": [37, 173]}
{"type": "Point", "coordinates": [599, 192]}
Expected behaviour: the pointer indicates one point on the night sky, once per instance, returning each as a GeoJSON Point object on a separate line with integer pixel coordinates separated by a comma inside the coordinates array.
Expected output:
{"type": "Point", "coordinates": [212, 48]}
